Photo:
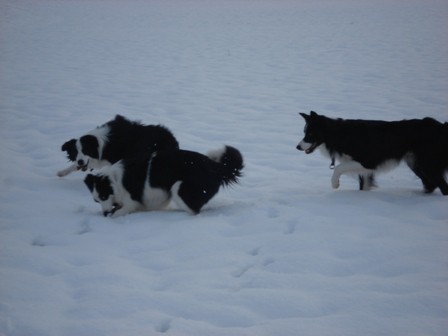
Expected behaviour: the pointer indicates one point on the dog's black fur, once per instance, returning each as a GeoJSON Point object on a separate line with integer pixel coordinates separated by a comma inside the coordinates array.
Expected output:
{"type": "Point", "coordinates": [189, 178]}
{"type": "Point", "coordinates": [115, 140]}
{"type": "Point", "coordinates": [366, 146]}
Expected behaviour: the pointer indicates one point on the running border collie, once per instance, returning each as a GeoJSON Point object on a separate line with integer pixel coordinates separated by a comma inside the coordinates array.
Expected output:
{"type": "Point", "coordinates": [117, 139]}
{"type": "Point", "coordinates": [364, 147]}
{"type": "Point", "coordinates": [188, 178]}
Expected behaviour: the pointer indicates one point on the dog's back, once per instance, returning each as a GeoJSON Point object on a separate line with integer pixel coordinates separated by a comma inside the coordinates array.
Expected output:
{"type": "Point", "coordinates": [369, 142]}
{"type": "Point", "coordinates": [127, 139]}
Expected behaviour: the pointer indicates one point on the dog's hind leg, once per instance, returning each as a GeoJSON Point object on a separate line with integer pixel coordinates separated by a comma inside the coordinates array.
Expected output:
{"type": "Point", "coordinates": [179, 200]}
{"type": "Point", "coordinates": [441, 183]}
{"type": "Point", "coordinates": [191, 197]}
{"type": "Point", "coordinates": [431, 177]}
{"type": "Point", "coordinates": [443, 186]}
{"type": "Point", "coordinates": [353, 167]}
{"type": "Point", "coordinates": [438, 179]}
{"type": "Point", "coordinates": [428, 184]}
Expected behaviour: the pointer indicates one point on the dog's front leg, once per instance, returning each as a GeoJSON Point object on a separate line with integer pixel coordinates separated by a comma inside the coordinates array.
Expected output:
{"type": "Point", "coordinates": [68, 170]}
{"type": "Point", "coordinates": [335, 178]}
{"type": "Point", "coordinates": [345, 168]}
{"type": "Point", "coordinates": [122, 211]}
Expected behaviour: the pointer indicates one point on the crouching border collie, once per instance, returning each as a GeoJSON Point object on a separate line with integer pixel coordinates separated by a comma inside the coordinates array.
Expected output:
{"type": "Point", "coordinates": [364, 147]}
{"type": "Point", "coordinates": [115, 140]}
{"type": "Point", "coordinates": [190, 179]}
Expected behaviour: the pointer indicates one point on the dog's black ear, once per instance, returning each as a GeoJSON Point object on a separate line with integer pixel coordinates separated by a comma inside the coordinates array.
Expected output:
{"type": "Point", "coordinates": [90, 181]}
{"type": "Point", "coordinates": [305, 116]}
{"type": "Point", "coordinates": [90, 146]}
{"type": "Point", "coordinates": [313, 114]}
{"type": "Point", "coordinates": [69, 144]}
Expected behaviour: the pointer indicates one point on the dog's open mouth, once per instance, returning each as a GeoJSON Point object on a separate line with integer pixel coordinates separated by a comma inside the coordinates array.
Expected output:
{"type": "Point", "coordinates": [115, 207]}
{"type": "Point", "coordinates": [83, 168]}
{"type": "Point", "coordinates": [311, 148]}
{"type": "Point", "coordinates": [308, 148]}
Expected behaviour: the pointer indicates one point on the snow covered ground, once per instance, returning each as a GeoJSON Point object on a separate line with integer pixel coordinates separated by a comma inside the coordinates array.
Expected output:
{"type": "Point", "coordinates": [280, 254]}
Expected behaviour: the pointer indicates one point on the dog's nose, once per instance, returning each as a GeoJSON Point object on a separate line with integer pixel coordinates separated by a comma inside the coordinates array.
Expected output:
{"type": "Point", "coordinates": [80, 162]}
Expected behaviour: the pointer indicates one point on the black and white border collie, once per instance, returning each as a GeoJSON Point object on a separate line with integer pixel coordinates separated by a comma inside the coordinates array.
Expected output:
{"type": "Point", "coordinates": [364, 147]}
{"type": "Point", "coordinates": [115, 140]}
{"type": "Point", "coordinates": [188, 178]}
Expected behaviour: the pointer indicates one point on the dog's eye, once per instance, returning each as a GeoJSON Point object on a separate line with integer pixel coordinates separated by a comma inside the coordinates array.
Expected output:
{"type": "Point", "coordinates": [104, 198]}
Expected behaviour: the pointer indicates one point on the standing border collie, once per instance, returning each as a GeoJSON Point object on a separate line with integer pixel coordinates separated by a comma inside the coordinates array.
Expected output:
{"type": "Point", "coordinates": [115, 140]}
{"type": "Point", "coordinates": [366, 146]}
{"type": "Point", "coordinates": [190, 179]}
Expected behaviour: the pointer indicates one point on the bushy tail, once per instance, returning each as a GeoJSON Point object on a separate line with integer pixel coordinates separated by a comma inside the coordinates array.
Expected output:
{"type": "Point", "coordinates": [231, 162]}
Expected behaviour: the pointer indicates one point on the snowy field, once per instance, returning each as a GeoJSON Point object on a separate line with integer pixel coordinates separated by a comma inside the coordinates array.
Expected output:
{"type": "Point", "coordinates": [280, 254]}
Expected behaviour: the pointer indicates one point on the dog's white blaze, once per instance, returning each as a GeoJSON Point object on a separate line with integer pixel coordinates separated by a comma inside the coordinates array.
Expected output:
{"type": "Point", "coordinates": [80, 155]}
{"type": "Point", "coordinates": [106, 205]}
{"type": "Point", "coordinates": [101, 134]}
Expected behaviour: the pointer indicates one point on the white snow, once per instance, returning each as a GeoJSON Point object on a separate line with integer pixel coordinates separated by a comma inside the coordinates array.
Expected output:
{"type": "Point", "coordinates": [282, 253]}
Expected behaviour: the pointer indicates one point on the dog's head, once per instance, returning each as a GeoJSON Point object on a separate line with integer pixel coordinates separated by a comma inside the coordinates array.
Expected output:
{"type": "Point", "coordinates": [82, 150]}
{"type": "Point", "coordinates": [313, 130]}
{"type": "Point", "coordinates": [103, 193]}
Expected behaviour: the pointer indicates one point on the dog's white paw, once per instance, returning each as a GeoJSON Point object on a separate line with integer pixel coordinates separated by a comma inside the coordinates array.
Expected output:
{"type": "Point", "coordinates": [335, 182]}
{"type": "Point", "coordinates": [120, 212]}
